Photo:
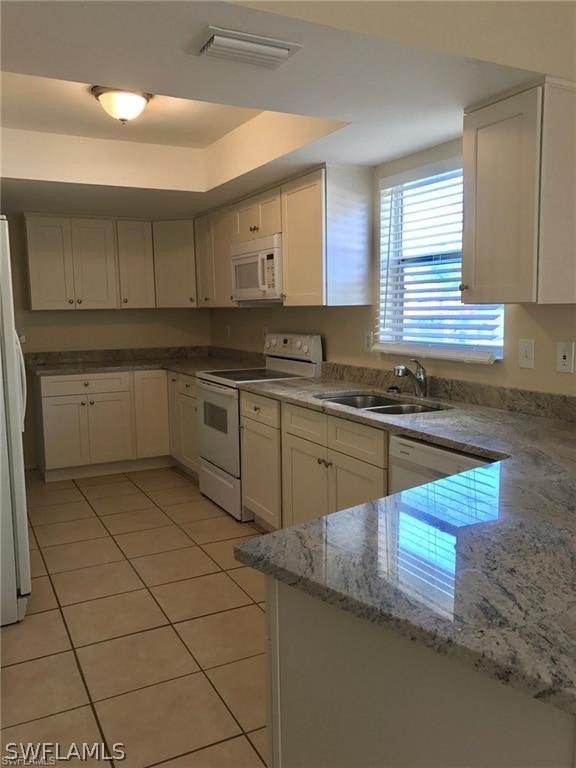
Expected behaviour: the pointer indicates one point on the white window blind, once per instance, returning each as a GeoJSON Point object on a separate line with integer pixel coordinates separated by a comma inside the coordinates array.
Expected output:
{"type": "Point", "coordinates": [419, 308]}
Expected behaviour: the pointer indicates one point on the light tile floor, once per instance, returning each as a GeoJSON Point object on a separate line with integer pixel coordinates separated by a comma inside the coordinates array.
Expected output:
{"type": "Point", "coordinates": [142, 628]}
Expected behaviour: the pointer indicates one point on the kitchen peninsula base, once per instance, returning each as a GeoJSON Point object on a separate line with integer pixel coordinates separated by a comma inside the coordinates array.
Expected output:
{"type": "Point", "coordinates": [346, 693]}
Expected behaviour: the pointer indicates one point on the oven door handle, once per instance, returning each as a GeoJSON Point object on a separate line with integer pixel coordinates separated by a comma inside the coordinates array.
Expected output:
{"type": "Point", "coordinates": [210, 387]}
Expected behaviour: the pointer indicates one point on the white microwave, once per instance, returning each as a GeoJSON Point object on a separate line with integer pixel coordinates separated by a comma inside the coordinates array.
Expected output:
{"type": "Point", "coordinates": [257, 269]}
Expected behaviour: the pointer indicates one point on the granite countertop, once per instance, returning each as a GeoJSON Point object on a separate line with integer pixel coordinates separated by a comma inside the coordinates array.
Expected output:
{"type": "Point", "coordinates": [480, 566]}
{"type": "Point", "coordinates": [189, 365]}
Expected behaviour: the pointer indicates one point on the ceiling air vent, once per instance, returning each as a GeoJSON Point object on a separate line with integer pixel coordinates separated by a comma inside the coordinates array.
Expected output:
{"type": "Point", "coordinates": [250, 49]}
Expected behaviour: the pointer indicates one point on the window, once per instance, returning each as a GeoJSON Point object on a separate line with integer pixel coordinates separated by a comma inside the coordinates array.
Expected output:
{"type": "Point", "coordinates": [419, 307]}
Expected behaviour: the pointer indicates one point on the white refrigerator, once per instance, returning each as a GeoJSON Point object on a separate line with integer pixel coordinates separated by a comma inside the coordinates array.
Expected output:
{"type": "Point", "coordinates": [15, 562]}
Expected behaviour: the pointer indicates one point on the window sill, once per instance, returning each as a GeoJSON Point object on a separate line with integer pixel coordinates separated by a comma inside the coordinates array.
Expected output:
{"type": "Point", "coordinates": [460, 355]}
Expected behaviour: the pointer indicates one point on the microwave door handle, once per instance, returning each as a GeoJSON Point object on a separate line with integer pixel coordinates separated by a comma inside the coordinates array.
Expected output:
{"type": "Point", "coordinates": [262, 272]}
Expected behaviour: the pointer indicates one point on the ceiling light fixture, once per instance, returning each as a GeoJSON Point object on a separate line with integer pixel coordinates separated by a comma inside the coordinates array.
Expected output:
{"type": "Point", "coordinates": [250, 49]}
{"type": "Point", "coordinates": [121, 105]}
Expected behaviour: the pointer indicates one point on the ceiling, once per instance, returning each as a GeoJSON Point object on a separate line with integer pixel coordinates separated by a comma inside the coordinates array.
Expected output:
{"type": "Point", "coordinates": [60, 106]}
{"type": "Point", "coordinates": [397, 99]}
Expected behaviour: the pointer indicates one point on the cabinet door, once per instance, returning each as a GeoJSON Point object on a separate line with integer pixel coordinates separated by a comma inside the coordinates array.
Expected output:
{"type": "Point", "coordinates": [221, 230]}
{"type": "Point", "coordinates": [65, 423]}
{"type": "Point", "coordinates": [204, 262]}
{"type": "Point", "coordinates": [188, 422]}
{"type": "Point", "coordinates": [261, 468]}
{"type": "Point", "coordinates": [151, 409]}
{"type": "Point", "coordinates": [303, 241]}
{"type": "Point", "coordinates": [174, 263]}
{"type": "Point", "coordinates": [175, 447]}
{"type": "Point", "coordinates": [353, 482]}
{"type": "Point", "coordinates": [95, 263]}
{"type": "Point", "coordinates": [245, 219]}
{"type": "Point", "coordinates": [110, 427]}
{"type": "Point", "coordinates": [304, 480]}
{"type": "Point", "coordinates": [501, 197]}
{"type": "Point", "coordinates": [556, 257]}
{"type": "Point", "coordinates": [136, 262]}
{"type": "Point", "coordinates": [50, 263]}
{"type": "Point", "coordinates": [269, 220]}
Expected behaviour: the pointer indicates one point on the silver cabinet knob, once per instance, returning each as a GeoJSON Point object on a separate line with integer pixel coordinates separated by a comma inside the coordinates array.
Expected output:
{"type": "Point", "coordinates": [82, 403]}
{"type": "Point", "coordinates": [463, 287]}
{"type": "Point", "coordinates": [187, 386]}
{"type": "Point", "coordinates": [91, 402]}
{"type": "Point", "coordinates": [86, 383]}
{"type": "Point", "coordinates": [256, 409]}
{"type": "Point", "coordinates": [206, 298]}
{"type": "Point", "coordinates": [320, 461]}
{"type": "Point", "coordinates": [125, 301]}
{"type": "Point", "coordinates": [70, 301]}
{"type": "Point", "coordinates": [192, 300]}
{"type": "Point", "coordinates": [78, 301]}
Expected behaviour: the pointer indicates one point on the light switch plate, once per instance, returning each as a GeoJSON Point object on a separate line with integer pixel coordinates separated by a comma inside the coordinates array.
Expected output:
{"type": "Point", "coordinates": [526, 353]}
{"type": "Point", "coordinates": [565, 357]}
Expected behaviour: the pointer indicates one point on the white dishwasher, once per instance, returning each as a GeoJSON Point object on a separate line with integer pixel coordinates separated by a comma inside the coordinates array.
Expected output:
{"type": "Point", "coordinates": [414, 463]}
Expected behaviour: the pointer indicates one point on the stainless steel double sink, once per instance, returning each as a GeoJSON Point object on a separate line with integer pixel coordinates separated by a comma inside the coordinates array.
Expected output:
{"type": "Point", "coordinates": [378, 403]}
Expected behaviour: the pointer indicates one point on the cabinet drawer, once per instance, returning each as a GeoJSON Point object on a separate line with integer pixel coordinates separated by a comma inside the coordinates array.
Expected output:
{"type": "Point", "coordinates": [306, 423]}
{"type": "Point", "coordinates": [262, 409]}
{"type": "Point", "coordinates": [187, 385]}
{"type": "Point", "coordinates": [358, 440]}
{"type": "Point", "coordinates": [78, 384]}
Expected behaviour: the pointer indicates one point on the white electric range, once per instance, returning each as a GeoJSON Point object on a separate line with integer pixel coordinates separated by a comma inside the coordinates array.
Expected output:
{"type": "Point", "coordinates": [288, 356]}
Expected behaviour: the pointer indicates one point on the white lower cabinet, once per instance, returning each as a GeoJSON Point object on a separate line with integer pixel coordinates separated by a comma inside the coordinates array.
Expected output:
{"type": "Point", "coordinates": [110, 427]}
{"type": "Point", "coordinates": [87, 429]}
{"type": "Point", "coordinates": [151, 409]}
{"type": "Point", "coordinates": [65, 427]}
{"type": "Point", "coordinates": [304, 480]}
{"type": "Point", "coordinates": [352, 481]}
{"type": "Point", "coordinates": [173, 426]}
{"type": "Point", "coordinates": [261, 471]}
{"type": "Point", "coordinates": [187, 418]}
{"type": "Point", "coordinates": [318, 480]}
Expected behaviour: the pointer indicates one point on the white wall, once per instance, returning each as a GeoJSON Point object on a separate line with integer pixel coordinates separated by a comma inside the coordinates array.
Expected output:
{"type": "Point", "coordinates": [538, 36]}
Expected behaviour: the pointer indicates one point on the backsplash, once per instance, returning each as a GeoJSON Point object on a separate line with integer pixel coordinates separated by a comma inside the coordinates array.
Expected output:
{"type": "Point", "coordinates": [456, 390]}
{"type": "Point", "coordinates": [35, 359]}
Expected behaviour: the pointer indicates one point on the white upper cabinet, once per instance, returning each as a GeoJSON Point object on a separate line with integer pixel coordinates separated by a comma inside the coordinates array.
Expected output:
{"type": "Point", "coordinates": [136, 263]}
{"type": "Point", "coordinates": [326, 237]}
{"type": "Point", "coordinates": [204, 262]}
{"type": "Point", "coordinates": [519, 199]}
{"type": "Point", "coordinates": [557, 236]}
{"type": "Point", "coordinates": [95, 263]}
{"type": "Point", "coordinates": [72, 263]}
{"type": "Point", "coordinates": [258, 216]}
{"type": "Point", "coordinates": [50, 262]}
{"type": "Point", "coordinates": [174, 263]}
{"type": "Point", "coordinates": [221, 226]}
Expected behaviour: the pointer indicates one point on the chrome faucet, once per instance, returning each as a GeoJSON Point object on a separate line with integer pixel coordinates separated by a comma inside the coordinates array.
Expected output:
{"type": "Point", "coordinates": [419, 377]}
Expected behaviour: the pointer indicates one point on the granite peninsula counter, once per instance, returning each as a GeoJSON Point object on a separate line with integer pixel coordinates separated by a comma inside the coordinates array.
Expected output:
{"type": "Point", "coordinates": [493, 599]}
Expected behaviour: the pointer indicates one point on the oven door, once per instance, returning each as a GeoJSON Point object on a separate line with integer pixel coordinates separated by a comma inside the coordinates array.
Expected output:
{"type": "Point", "coordinates": [219, 426]}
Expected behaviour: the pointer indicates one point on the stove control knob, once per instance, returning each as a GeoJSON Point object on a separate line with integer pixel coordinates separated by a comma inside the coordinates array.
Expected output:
{"type": "Point", "coordinates": [267, 345]}
{"type": "Point", "coordinates": [298, 344]}
{"type": "Point", "coordinates": [306, 349]}
{"type": "Point", "coordinates": [274, 342]}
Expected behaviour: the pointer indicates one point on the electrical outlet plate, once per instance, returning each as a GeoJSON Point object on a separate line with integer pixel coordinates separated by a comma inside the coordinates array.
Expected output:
{"type": "Point", "coordinates": [565, 356]}
{"type": "Point", "coordinates": [526, 353]}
